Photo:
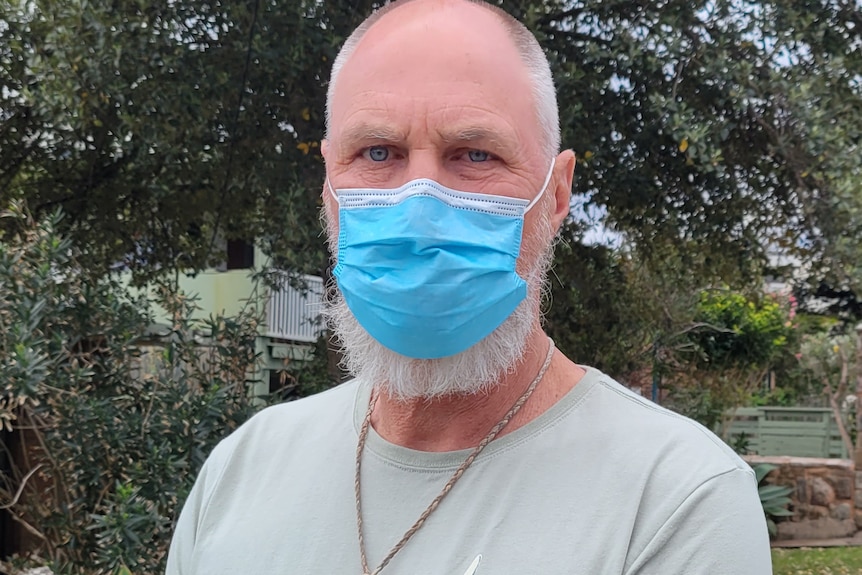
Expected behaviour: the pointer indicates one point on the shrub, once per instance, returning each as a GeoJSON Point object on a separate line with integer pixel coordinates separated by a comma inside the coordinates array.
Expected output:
{"type": "Point", "coordinates": [107, 422]}
{"type": "Point", "coordinates": [728, 353]}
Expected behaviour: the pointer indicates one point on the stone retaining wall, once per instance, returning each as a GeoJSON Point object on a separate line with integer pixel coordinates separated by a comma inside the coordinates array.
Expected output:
{"type": "Point", "coordinates": [826, 495]}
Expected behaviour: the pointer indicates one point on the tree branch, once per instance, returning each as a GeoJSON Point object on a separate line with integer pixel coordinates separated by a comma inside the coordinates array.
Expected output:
{"type": "Point", "coordinates": [21, 488]}
{"type": "Point", "coordinates": [232, 148]}
{"type": "Point", "coordinates": [836, 413]}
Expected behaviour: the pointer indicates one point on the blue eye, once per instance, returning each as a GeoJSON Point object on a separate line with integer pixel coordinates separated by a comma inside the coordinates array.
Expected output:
{"type": "Point", "coordinates": [377, 153]}
{"type": "Point", "coordinates": [478, 156]}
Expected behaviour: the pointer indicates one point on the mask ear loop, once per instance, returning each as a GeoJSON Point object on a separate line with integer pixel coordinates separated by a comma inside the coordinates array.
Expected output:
{"type": "Point", "coordinates": [535, 200]}
{"type": "Point", "coordinates": [332, 191]}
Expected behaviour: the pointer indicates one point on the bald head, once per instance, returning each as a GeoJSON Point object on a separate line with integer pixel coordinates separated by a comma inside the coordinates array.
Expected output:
{"type": "Point", "coordinates": [444, 22]}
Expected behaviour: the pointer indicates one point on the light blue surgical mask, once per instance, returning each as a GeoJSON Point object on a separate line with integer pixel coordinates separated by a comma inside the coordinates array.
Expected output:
{"type": "Point", "coordinates": [429, 271]}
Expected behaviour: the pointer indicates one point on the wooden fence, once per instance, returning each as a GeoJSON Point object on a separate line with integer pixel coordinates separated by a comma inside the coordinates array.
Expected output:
{"type": "Point", "coordinates": [799, 431]}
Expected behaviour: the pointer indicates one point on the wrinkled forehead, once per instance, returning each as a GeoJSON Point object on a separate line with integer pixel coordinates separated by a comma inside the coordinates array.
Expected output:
{"type": "Point", "coordinates": [433, 58]}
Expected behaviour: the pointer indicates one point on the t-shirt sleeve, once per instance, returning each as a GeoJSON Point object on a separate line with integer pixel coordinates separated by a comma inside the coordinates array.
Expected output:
{"type": "Point", "coordinates": [718, 529]}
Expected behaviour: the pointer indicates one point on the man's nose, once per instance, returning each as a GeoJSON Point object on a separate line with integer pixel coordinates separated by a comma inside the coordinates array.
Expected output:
{"type": "Point", "coordinates": [425, 164]}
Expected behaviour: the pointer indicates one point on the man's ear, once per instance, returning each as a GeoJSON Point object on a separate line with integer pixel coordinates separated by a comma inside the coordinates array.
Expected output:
{"type": "Point", "coordinates": [564, 176]}
{"type": "Point", "coordinates": [324, 148]}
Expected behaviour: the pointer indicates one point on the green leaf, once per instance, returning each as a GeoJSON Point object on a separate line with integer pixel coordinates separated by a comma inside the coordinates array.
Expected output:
{"type": "Point", "coordinates": [768, 492]}
{"type": "Point", "coordinates": [761, 470]}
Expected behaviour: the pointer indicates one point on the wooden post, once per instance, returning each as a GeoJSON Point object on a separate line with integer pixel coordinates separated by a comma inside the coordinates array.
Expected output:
{"type": "Point", "coordinates": [858, 454]}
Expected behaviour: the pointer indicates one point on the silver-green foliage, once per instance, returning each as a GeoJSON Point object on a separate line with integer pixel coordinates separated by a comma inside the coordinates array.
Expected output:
{"type": "Point", "coordinates": [106, 424]}
{"type": "Point", "coordinates": [773, 498]}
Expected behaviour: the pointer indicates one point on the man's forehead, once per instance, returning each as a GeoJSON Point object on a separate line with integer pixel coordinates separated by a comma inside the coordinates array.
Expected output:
{"type": "Point", "coordinates": [426, 50]}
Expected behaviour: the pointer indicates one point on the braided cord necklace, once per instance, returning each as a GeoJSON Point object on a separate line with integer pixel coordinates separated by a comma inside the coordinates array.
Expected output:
{"type": "Point", "coordinates": [363, 435]}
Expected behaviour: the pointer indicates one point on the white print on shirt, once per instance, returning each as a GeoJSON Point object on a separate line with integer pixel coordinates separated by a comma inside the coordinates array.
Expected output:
{"type": "Point", "coordinates": [471, 570]}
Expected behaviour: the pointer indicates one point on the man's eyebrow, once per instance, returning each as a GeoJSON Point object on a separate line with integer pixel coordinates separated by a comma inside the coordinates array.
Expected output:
{"type": "Point", "coordinates": [470, 134]}
{"type": "Point", "coordinates": [365, 133]}
{"type": "Point", "coordinates": [358, 134]}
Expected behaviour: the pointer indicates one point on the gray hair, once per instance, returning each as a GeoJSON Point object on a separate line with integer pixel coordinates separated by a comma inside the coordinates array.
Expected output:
{"type": "Point", "coordinates": [532, 55]}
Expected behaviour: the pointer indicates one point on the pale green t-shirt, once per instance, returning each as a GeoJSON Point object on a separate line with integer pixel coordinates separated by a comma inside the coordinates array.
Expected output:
{"type": "Point", "coordinates": [604, 482]}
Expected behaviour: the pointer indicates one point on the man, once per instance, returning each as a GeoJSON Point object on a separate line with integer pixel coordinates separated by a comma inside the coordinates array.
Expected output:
{"type": "Point", "coordinates": [466, 444]}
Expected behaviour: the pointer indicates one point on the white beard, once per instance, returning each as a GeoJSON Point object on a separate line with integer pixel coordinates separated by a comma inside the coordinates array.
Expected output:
{"type": "Point", "coordinates": [475, 370]}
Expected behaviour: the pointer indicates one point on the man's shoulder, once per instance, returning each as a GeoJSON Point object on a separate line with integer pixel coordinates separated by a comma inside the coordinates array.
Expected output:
{"type": "Point", "coordinates": [643, 429]}
{"type": "Point", "coordinates": [335, 402]}
{"type": "Point", "coordinates": [293, 423]}
{"type": "Point", "coordinates": [674, 468]}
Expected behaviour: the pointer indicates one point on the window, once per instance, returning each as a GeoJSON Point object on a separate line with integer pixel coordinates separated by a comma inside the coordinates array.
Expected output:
{"type": "Point", "coordinates": [240, 255]}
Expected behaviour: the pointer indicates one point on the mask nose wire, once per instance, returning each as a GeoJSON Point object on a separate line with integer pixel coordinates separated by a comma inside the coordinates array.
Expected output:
{"type": "Point", "coordinates": [532, 203]}
{"type": "Point", "coordinates": [536, 199]}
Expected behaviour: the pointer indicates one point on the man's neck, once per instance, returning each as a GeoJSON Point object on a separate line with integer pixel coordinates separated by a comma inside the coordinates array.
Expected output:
{"type": "Point", "coordinates": [462, 421]}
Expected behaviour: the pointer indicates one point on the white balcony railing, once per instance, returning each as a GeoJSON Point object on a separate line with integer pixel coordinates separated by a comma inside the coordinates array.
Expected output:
{"type": "Point", "coordinates": [294, 314]}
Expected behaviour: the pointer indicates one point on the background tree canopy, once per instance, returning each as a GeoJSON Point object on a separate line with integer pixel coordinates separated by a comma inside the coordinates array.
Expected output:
{"type": "Point", "coordinates": [708, 133]}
